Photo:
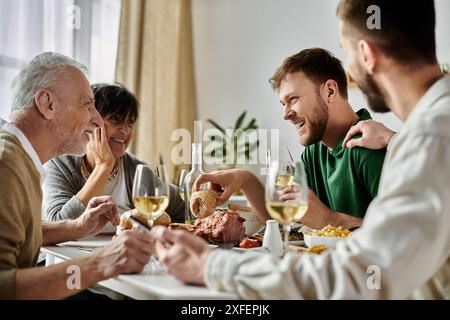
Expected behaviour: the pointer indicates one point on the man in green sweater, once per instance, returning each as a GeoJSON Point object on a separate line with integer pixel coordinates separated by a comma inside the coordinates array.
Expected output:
{"type": "Point", "coordinates": [53, 113]}
{"type": "Point", "coordinates": [312, 86]}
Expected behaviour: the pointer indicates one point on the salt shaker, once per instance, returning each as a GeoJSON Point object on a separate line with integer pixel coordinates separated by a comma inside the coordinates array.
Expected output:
{"type": "Point", "coordinates": [272, 238]}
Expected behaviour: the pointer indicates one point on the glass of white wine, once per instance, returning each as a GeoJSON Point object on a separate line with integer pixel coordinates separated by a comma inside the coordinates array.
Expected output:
{"type": "Point", "coordinates": [286, 211]}
{"type": "Point", "coordinates": [285, 174]}
{"type": "Point", "coordinates": [151, 191]}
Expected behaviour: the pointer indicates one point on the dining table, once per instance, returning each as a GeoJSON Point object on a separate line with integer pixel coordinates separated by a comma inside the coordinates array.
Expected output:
{"type": "Point", "coordinates": [152, 283]}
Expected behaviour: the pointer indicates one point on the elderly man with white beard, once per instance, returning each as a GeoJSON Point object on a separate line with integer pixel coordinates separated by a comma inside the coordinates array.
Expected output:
{"type": "Point", "coordinates": [53, 113]}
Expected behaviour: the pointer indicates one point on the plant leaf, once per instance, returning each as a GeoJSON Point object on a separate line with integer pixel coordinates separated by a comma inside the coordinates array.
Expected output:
{"type": "Point", "coordinates": [240, 120]}
{"type": "Point", "coordinates": [251, 124]}
{"type": "Point", "coordinates": [252, 127]}
{"type": "Point", "coordinates": [249, 147]}
{"type": "Point", "coordinates": [218, 127]}
{"type": "Point", "coordinates": [237, 133]}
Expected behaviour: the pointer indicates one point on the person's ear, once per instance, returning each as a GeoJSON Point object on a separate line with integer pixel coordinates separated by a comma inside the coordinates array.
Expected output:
{"type": "Point", "coordinates": [330, 90]}
{"type": "Point", "coordinates": [45, 103]}
{"type": "Point", "coordinates": [367, 55]}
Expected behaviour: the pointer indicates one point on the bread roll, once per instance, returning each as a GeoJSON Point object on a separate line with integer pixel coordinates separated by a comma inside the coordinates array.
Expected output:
{"type": "Point", "coordinates": [203, 203]}
{"type": "Point", "coordinates": [181, 226]}
{"type": "Point", "coordinates": [163, 220]}
{"type": "Point", "coordinates": [126, 224]}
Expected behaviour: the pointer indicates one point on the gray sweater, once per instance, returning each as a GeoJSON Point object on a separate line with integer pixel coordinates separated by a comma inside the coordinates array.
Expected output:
{"type": "Point", "coordinates": [64, 180]}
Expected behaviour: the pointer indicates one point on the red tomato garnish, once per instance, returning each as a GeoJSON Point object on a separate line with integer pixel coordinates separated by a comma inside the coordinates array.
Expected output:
{"type": "Point", "coordinates": [249, 243]}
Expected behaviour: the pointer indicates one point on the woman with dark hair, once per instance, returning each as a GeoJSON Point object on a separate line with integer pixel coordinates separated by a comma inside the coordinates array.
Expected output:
{"type": "Point", "coordinates": [106, 168]}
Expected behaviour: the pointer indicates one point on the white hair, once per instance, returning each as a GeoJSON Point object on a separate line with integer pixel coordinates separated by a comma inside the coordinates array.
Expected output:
{"type": "Point", "coordinates": [40, 73]}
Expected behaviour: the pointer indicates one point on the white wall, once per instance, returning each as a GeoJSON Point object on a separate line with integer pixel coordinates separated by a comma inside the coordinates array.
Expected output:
{"type": "Point", "coordinates": [238, 44]}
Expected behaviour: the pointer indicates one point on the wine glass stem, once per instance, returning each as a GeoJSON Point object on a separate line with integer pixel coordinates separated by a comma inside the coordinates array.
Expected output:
{"type": "Point", "coordinates": [286, 231]}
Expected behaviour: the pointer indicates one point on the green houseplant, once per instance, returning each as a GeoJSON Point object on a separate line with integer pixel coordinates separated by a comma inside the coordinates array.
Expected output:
{"type": "Point", "coordinates": [230, 138]}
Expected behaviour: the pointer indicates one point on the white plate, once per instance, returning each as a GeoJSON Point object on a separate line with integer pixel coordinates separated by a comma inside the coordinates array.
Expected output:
{"type": "Point", "coordinates": [297, 243]}
{"type": "Point", "coordinates": [88, 242]}
{"type": "Point", "coordinates": [260, 249]}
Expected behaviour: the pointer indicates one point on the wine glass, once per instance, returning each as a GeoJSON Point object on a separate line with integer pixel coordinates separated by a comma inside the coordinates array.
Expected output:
{"type": "Point", "coordinates": [286, 211]}
{"type": "Point", "coordinates": [151, 191]}
{"type": "Point", "coordinates": [285, 175]}
{"type": "Point", "coordinates": [286, 157]}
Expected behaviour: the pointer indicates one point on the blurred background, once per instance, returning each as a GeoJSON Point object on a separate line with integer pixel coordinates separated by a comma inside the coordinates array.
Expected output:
{"type": "Point", "coordinates": [185, 60]}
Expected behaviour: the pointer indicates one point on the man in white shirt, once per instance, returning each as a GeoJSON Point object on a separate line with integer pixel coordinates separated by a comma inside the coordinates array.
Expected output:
{"type": "Point", "coordinates": [403, 247]}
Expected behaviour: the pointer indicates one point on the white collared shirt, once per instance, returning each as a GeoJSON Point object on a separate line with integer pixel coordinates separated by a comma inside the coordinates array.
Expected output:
{"type": "Point", "coordinates": [403, 247]}
{"type": "Point", "coordinates": [12, 129]}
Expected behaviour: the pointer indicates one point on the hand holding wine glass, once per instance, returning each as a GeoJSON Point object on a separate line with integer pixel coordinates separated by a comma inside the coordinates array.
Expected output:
{"type": "Point", "coordinates": [151, 191]}
{"type": "Point", "coordinates": [291, 210]}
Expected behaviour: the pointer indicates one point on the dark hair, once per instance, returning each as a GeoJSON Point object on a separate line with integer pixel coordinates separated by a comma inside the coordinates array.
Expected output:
{"type": "Point", "coordinates": [319, 65]}
{"type": "Point", "coordinates": [406, 32]}
{"type": "Point", "coordinates": [115, 100]}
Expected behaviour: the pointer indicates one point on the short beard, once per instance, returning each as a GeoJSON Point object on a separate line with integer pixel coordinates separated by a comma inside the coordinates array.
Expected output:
{"type": "Point", "coordinates": [375, 97]}
{"type": "Point", "coordinates": [73, 147]}
{"type": "Point", "coordinates": [318, 123]}
{"type": "Point", "coordinates": [68, 144]}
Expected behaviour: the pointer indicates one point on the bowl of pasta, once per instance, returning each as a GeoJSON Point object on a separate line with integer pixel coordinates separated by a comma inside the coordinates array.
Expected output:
{"type": "Point", "coordinates": [327, 236]}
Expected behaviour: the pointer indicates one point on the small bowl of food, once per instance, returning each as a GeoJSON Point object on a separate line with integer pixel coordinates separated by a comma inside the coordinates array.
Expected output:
{"type": "Point", "coordinates": [252, 222]}
{"type": "Point", "coordinates": [327, 236]}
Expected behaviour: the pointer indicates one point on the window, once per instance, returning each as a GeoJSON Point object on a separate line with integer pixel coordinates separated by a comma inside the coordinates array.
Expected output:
{"type": "Point", "coordinates": [82, 29]}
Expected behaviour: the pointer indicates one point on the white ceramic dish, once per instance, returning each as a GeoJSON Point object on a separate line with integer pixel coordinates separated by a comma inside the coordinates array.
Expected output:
{"type": "Point", "coordinates": [297, 242]}
{"type": "Point", "coordinates": [328, 242]}
{"type": "Point", "coordinates": [252, 223]}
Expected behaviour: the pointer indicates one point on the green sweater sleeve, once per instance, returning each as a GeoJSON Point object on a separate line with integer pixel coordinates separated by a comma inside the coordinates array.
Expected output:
{"type": "Point", "coordinates": [370, 170]}
{"type": "Point", "coordinates": [305, 160]}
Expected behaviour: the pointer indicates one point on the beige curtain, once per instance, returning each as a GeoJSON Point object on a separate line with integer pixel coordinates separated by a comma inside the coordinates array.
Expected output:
{"type": "Point", "coordinates": [155, 61]}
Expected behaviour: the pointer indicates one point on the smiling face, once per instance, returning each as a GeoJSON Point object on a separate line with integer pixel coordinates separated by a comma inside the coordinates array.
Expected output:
{"type": "Point", "coordinates": [303, 107]}
{"type": "Point", "coordinates": [119, 134]}
{"type": "Point", "coordinates": [365, 81]}
{"type": "Point", "coordinates": [76, 115]}
{"type": "Point", "coordinates": [119, 109]}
